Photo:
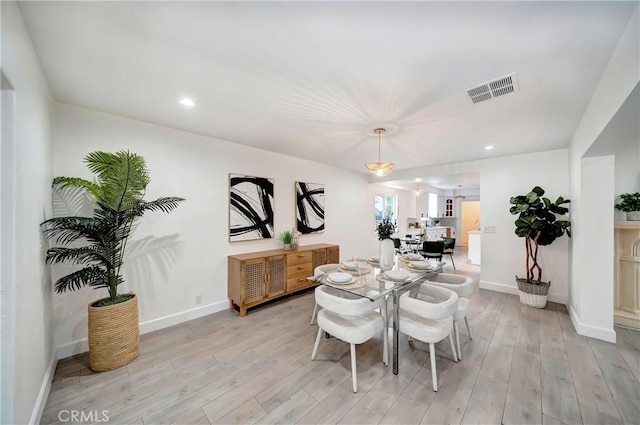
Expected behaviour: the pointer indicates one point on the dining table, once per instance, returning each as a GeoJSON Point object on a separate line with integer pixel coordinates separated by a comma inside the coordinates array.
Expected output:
{"type": "Point", "coordinates": [370, 282]}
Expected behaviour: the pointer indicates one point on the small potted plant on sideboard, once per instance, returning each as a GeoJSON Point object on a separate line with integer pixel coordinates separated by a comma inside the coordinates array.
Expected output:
{"type": "Point", "coordinates": [630, 203]}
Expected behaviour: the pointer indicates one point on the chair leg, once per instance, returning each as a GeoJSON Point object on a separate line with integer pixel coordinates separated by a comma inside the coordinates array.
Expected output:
{"type": "Point", "coordinates": [315, 346]}
{"type": "Point", "coordinates": [468, 328]}
{"type": "Point", "coordinates": [434, 376]}
{"type": "Point", "coordinates": [452, 262]}
{"type": "Point", "coordinates": [353, 368]}
{"type": "Point", "coordinates": [313, 315]}
{"type": "Point", "coordinates": [457, 332]}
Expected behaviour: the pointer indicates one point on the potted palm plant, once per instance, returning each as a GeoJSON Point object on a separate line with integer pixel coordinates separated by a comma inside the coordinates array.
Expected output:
{"type": "Point", "coordinates": [538, 224]}
{"type": "Point", "coordinates": [98, 244]}
{"type": "Point", "coordinates": [630, 203]}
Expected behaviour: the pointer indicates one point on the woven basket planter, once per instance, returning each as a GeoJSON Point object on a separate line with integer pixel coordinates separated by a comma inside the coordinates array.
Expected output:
{"type": "Point", "coordinates": [114, 335]}
{"type": "Point", "coordinates": [533, 295]}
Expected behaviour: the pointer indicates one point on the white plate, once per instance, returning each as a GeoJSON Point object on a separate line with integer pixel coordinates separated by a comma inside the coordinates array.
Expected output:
{"type": "Point", "coordinates": [350, 265]}
{"type": "Point", "coordinates": [412, 257]}
{"type": "Point", "coordinates": [374, 259]}
{"type": "Point", "coordinates": [339, 277]}
{"type": "Point", "coordinates": [422, 265]}
{"type": "Point", "coordinates": [397, 275]}
{"type": "Point", "coordinates": [353, 279]}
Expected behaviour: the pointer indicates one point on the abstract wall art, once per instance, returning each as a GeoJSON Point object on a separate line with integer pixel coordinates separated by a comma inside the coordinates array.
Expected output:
{"type": "Point", "coordinates": [250, 208]}
{"type": "Point", "coordinates": [309, 207]}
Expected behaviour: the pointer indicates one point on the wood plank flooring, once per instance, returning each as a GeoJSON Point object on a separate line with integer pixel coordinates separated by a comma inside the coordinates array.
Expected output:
{"type": "Point", "coordinates": [523, 366]}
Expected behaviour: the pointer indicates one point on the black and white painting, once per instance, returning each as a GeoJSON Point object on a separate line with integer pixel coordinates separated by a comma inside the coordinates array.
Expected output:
{"type": "Point", "coordinates": [309, 207]}
{"type": "Point", "coordinates": [250, 208]}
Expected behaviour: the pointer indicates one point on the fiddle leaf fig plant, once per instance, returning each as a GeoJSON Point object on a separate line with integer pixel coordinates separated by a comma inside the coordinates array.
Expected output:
{"type": "Point", "coordinates": [538, 224]}
{"type": "Point", "coordinates": [99, 242]}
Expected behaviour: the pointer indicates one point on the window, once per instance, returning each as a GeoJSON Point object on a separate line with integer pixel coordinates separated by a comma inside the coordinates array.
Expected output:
{"type": "Point", "coordinates": [433, 205]}
{"type": "Point", "coordinates": [385, 207]}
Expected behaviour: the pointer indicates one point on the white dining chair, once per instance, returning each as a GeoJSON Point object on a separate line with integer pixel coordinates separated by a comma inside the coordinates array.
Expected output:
{"type": "Point", "coordinates": [319, 272]}
{"type": "Point", "coordinates": [464, 287]}
{"type": "Point", "coordinates": [352, 319]}
{"type": "Point", "coordinates": [429, 318]}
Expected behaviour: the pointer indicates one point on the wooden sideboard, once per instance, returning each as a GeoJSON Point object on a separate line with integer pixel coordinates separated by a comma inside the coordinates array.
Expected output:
{"type": "Point", "coordinates": [257, 277]}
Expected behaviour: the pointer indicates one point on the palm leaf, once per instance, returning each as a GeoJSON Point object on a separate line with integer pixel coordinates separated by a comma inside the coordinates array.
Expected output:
{"type": "Point", "coordinates": [123, 177]}
{"type": "Point", "coordinates": [93, 189]}
{"type": "Point", "coordinates": [92, 276]}
{"type": "Point", "coordinates": [83, 255]}
{"type": "Point", "coordinates": [65, 230]}
{"type": "Point", "coordinates": [166, 204]}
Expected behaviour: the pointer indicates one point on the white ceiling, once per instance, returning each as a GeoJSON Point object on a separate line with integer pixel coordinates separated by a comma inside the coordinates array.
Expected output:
{"type": "Point", "coordinates": [312, 79]}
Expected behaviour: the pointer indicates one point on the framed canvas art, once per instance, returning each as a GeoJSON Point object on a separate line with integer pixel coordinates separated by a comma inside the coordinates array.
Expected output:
{"type": "Point", "coordinates": [309, 207]}
{"type": "Point", "coordinates": [250, 208]}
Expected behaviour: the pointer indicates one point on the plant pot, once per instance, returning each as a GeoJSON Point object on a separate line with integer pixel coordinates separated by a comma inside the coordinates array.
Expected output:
{"type": "Point", "coordinates": [531, 294]}
{"type": "Point", "coordinates": [114, 335]}
{"type": "Point", "coordinates": [286, 246]}
{"type": "Point", "coordinates": [387, 254]}
{"type": "Point", "coordinates": [633, 215]}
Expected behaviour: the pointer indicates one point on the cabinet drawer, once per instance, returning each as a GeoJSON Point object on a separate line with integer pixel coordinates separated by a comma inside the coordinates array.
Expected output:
{"type": "Point", "coordinates": [298, 283]}
{"type": "Point", "coordinates": [301, 270]}
{"type": "Point", "coordinates": [299, 258]}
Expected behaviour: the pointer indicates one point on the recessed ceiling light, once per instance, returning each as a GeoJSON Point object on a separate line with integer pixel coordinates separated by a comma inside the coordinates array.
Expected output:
{"type": "Point", "coordinates": [488, 147]}
{"type": "Point", "coordinates": [185, 101]}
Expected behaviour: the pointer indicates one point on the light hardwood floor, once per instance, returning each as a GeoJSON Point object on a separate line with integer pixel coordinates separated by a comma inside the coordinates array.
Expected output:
{"type": "Point", "coordinates": [523, 365]}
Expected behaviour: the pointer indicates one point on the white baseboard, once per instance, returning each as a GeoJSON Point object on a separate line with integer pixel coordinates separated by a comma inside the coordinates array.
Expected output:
{"type": "Point", "coordinates": [183, 316]}
{"type": "Point", "coordinates": [82, 345]}
{"type": "Point", "coordinates": [512, 289]}
{"type": "Point", "coordinates": [591, 331]}
{"type": "Point", "coordinates": [41, 401]}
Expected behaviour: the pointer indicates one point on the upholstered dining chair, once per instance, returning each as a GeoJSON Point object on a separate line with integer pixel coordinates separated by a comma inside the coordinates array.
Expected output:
{"type": "Point", "coordinates": [317, 273]}
{"type": "Point", "coordinates": [449, 245]}
{"type": "Point", "coordinates": [352, 319]}
{"type": "Point", "coordinates": [464, 287]}
{"type": "Point", "coordinates": [432, 249]}
{"type": "Point", "coordinates": [429, 318]}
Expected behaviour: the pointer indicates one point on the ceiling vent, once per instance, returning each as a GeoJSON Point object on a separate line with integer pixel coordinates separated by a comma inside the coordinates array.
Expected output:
{"type": "Point", "coordinates": [494, 88]}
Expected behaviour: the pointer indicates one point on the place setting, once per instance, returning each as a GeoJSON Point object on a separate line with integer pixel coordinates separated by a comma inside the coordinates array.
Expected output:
{"type": "Point", "coordinates": [355, 267]}
{"type": "Point", "coordinates": [343, 280]}
{"type": "Point", "coordinates": [397, 276]}
{"type": "Point", "coordinates": [420, 266]}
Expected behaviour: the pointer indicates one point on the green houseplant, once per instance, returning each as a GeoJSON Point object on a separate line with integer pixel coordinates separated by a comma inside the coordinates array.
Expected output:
{"type": "Point", "coordinates": [287, 239]}
{"type": "Point", "coordinates": [98, 245]}
{"type": "Point", "coordinates": [630, 203]}
{"type": "Point", "coordinates": [538, 224]}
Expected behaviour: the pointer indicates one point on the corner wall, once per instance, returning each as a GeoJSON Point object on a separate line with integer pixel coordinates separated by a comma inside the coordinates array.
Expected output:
{"type": "Point", "coordinates": [618, 80]}
{"type": "Point", "coordinates": [31, 163]}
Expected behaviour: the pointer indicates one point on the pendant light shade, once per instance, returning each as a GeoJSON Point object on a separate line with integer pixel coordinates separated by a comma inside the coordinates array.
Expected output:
{"type": "Point", "coordinates": [418, 191]}
{"type": "Point", "coordinates": [380, 168]}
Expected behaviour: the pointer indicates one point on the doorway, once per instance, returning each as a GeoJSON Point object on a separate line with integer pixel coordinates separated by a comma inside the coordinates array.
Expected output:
{"type": "Point", "coordinates": [470, 220]}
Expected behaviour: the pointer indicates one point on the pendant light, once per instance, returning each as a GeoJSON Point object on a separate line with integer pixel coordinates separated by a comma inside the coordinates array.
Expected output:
{"type": "Point", "coordinates": [417, 190]}
{"type": "Point", "coordinates": [380, 168]}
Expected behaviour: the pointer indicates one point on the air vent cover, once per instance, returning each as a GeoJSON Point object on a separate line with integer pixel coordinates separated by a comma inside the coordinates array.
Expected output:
{"type": "Point", "coordinates": [494, 88]}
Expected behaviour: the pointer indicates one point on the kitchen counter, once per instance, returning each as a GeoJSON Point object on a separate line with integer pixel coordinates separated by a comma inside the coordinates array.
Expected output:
{"type": "Point", "coordinates": [474, 247]}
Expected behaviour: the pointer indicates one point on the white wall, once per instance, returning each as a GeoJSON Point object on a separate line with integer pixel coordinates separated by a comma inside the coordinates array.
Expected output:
{"type": "Point", "coordinates": [33, 348]}
{"type": "Point", "coordinates": [503, 253]}
{"type": "Point", "coordinates": [618, 80]}
{"type": "Point", "coordinates": [196, 168]}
